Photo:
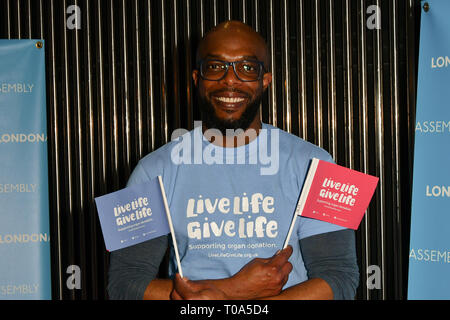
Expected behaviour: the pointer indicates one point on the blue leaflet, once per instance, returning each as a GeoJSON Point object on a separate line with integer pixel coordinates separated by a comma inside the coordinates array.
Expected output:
{"type": "Point", "coordinates": [132, 215]}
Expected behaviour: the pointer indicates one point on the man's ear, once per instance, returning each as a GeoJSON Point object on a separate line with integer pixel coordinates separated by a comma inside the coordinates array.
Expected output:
{"type": "Point", "coordinates": [267, 79]}
{"type": "Point", "coordinates": [195, 76]}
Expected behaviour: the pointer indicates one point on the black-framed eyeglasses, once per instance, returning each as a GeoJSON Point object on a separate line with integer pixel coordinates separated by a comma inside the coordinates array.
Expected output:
{"type": "Point", "coordinates": [245, 70]}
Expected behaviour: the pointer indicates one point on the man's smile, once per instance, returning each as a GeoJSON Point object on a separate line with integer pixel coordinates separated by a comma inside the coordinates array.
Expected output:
{"type": "Point", "coordinates": [229, 99]}
{"type": "Point", "coordinates": [230, 104]}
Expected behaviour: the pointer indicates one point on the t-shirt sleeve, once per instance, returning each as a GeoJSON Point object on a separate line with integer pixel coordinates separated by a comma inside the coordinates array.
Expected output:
{"type": "Point", "coordinates": [132, 269]}
{"type": "Point", "coordinates": [309, 227]}
{"type": "Point", "coordinates": [332, 257]}
{"type": "Point", "coordinates": [139, 175]}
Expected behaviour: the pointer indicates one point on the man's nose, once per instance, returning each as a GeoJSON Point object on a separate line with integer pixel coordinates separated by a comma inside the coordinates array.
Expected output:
{"type": "Point", "coordinates": [230, 78]}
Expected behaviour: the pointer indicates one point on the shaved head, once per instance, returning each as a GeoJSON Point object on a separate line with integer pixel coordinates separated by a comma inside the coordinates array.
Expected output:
{"type": "Point", "coordinates": [227, 30]}
{"type": "Point", "coordinates": [229, 102]}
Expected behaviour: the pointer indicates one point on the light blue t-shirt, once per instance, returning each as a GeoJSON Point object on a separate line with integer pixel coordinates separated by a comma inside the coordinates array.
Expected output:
{"type": "Point", "coordinates": [231, 205]}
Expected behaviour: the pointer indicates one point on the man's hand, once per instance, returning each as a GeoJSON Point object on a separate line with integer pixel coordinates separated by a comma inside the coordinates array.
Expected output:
{"type": "Point", "coordinates": [185, 289]}
{"type": "Point", "coordinates": [262, 277]}
{"type": "Point", "coordinates": [259, 278]}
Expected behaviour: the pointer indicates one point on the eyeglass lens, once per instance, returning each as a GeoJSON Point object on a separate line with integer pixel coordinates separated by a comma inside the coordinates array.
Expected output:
{"type": "Point", "coordinates": [245, 70]}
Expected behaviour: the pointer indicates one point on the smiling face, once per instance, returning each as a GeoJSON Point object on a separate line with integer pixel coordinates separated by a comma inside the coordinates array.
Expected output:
{"type": "Point", "coordinates": [230, 102]}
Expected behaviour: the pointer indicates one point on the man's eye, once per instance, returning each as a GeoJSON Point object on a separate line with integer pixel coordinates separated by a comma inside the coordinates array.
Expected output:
{"type": "Point", "coordinates": [216, 66]}
{"type": "Point", "coordinates": [248, 67]}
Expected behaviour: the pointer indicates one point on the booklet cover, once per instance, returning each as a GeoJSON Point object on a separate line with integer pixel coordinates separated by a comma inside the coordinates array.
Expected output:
{"type": "Point", "coordinates": [133, 215]}
{"type": "Point", "coordinates": [336, 194]}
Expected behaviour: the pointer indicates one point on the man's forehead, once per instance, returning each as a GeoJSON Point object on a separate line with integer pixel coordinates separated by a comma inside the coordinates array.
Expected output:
{"type": "Point", "coordinates": [232, 38]}
{"type": "Point", "coordinates": [219, 55]}
{"type": "Point", "coordinates": [234, 50]}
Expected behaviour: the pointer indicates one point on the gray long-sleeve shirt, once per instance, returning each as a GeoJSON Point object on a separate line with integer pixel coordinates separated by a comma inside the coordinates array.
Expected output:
{"type": "Point", "coordinates": [330, 256]}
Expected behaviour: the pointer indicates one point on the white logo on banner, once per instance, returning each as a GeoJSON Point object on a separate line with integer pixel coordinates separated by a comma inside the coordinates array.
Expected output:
{"type": "Point", "coordinates": [21, 289]}
{"type": "Point", "coordinates": [24, 238]}
{"type": "Point", "coordinates": [433, 126]}
{"type": "Point", "coordinates": [430, 255]}
{"type": "Point", "coordinates": [437, 191]}
{"type": "Point", "coordinates": [17, 187]}
{"type": "Point", "coordinates": [16, 87]}
{"type": "Point", "coordinates": [440, 62]}
{"type": "Point", "coordinates": [23, 137]}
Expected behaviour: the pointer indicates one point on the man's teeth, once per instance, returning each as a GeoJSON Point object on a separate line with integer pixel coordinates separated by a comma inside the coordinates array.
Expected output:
{"type": "Point", "coordinates": [230, 100]}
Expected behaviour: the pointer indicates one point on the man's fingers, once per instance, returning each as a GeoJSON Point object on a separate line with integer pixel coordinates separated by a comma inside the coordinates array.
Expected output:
{"type": "Point", "coordinates": [286, 269]}
{"type": "Point", "coordinates": [177, 285]}
{"type": "Point", "coordinates": [182, 285]}
{"type": "Point", "coordinates": [178, 277]}
{"type": "Point", "coordinates": [281, 257]}
{"type": "Point", "coordinates": [175, 296]}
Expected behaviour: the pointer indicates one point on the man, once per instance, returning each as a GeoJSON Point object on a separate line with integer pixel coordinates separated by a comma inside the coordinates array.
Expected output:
{"type": "Point", "coordinates": [231, 217]}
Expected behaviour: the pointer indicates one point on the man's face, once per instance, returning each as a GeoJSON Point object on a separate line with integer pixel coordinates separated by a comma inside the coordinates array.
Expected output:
{"type": "Point", "coordinates": [230, 102]}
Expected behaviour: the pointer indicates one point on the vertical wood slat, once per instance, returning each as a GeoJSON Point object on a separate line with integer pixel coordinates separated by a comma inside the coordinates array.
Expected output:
{"type": "Point", "coordinates": [163, 63]}
{"type": "Point", "coordinates": [29, 18]}
{"type": "Point", "coordinates": [273, 119]}
{"type": "Point", "coordinates": [151, 85]}
{"type": "Point", "coordinates": [68, 184]}
{"type": "Point", "coordinates": [301, 57]}
{"type": "Point", "coordinates": [8, 18]}
{"type": "Point", "coordinates": [79, 142]}
{"type": "Point", "coordinates": [92, 175]}
{"type": "Point", "coordinates": [114, 139]}
{"type": "Point", "coordinates": [139, 131]}
{"type": "Point", "coordinates": [55, 196]}
{"type": "Point", "coordinates": [318, 109]}
{"type": "Point", "coordinates": [380, 152]}
{"type": "Point", "coordinates": [363, 124]}
{"type": "Point", "coordinates": [331, 57]}
{"type": "Point", "coordinates": [188, 65]}
{"type": "Point", "coordinates": [176, 66]}
{"type": "Point", "coordinates": [348, 84]}
{"type": "Point", "coordinates": [19, 29]}
{"type": "Point", "coordinates": [127, 143]}
{"type": "Point", "coordinates": [286, 61]}
{"type": "Point", "coordinates": [395, 120]}
{"type": "Point", "coordinates": [119, 85]}
{"type": "Point", "coordinates": [102, 140]}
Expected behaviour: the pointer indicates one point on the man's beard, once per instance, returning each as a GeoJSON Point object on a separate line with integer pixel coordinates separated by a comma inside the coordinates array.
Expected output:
{"type": "Point", "coordinates": [211, 121]}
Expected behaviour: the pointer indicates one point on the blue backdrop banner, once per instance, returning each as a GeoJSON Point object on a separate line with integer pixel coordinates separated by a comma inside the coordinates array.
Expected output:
{"type": "Point", "coordinates": [24, 201]}
{"type": "Point", "coordinates": [429, 254]}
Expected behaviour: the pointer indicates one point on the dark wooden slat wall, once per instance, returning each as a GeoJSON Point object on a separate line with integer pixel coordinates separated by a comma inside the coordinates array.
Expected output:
{"type": "Point", "coordinates": [118, 86]}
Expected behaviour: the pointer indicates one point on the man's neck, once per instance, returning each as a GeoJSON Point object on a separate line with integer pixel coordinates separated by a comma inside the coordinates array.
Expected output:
{"type": "Point", "coordinates": [236, 138]}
